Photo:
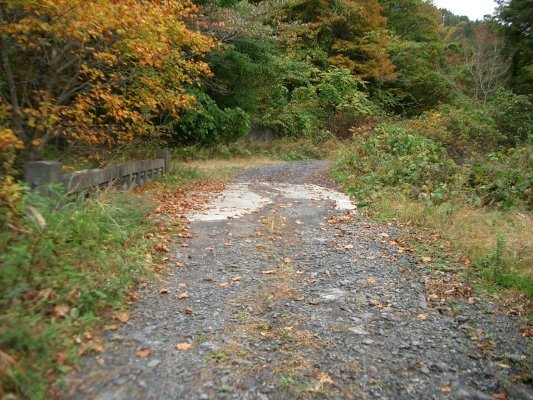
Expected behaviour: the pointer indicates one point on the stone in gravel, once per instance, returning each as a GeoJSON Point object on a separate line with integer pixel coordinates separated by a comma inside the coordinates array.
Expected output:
{"type": "Point", "coordinates": [461, 319]}
{"type": "Point", "coordinates": [358, 330]}
{"type": "Point", "coordinates": [332, 295]}
{"type": "Point", "coordinates": [469, 393]}
{"type": "Point", "coordinates": [153, 363]}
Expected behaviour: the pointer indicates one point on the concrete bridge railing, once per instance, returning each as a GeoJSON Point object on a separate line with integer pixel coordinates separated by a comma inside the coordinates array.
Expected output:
{"type": "Point", "coordinates": [40, 174]}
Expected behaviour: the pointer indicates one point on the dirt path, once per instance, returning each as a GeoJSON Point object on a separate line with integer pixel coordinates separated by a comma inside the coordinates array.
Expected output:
{"type": "Point", "coordinates": [284, 294]}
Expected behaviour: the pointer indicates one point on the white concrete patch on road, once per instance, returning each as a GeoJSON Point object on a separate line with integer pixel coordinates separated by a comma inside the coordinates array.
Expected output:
{"type": "Point", "coordinates": [314, 192]}
{"type": "Point", "coordinates": [238, 199]}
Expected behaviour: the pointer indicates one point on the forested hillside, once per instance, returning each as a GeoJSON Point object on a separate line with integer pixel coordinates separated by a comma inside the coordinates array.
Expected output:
{"type": "Point", "coordinates": [432, 112]}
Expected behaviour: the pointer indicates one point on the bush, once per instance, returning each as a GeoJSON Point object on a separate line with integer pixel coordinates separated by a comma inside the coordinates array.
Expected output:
{"type": "Point", "coordinates": [513, 115]}
{"type": "Point", "coordinates": [395, 157]}
{"type": "Point", "coordinates": [207, 124]}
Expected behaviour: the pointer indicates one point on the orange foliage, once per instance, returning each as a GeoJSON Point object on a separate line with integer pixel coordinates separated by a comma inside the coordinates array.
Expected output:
{"type": "Point", "coordinates": [99, 71]}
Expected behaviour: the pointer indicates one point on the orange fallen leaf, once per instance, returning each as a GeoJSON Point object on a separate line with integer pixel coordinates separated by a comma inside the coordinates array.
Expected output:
{"type": "Point", "coordinates": [112, 327]}
{"type": "Point", "coordinates": [163, 291]}
{"type": "Point", "coordinates": [500, 396]}
{"type": "Point", "coordinates": [446, 389]}
{"type": "Point", "coordinates": [179, 264]}
{"type": "Point", "coordinates": [236, 278]}
{"type": "Point", "coordinates": [161, 247]}
{"type": "Point", "coordinates": [61, 310]}
{"type": "Point", "coordinates": [224, 284]}
{"type": "Point", "coordinates": [122, 317]}
{"type": "Point", "coordinates": [433, 297]}
{"type": "Point", "coordinates": [183, 346]}
{"type": "Point", "coordinates": [299, 272]}
{"type": "Point", "coordinates": [182, 296]}
{"type": "Point", "coordinates": [144, 352]}
{"type": "Point", "coordinates": [421, 317]}
{"type": "Point", "coordinates": [287, 260]}
{"type": "Point", "coordinates": [268, 272]}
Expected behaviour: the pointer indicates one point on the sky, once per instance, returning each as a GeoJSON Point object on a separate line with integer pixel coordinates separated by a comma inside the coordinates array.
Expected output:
{"type": "Point", "coordinates": [474, 9]}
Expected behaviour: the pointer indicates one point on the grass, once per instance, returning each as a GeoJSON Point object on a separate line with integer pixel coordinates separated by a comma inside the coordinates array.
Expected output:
{"type": "Point", "coordinates": [68, 267]}
{"type": "Point", "coordinates": [498, 244]}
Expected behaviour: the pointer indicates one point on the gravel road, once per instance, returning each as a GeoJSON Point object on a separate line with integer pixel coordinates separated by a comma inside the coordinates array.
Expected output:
{"type": "Point", "coordinates": [285, 293]}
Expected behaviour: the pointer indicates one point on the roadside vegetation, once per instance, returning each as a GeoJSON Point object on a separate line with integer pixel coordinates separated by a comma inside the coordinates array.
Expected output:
{"type": "Point", "coordinates": [427, 114]}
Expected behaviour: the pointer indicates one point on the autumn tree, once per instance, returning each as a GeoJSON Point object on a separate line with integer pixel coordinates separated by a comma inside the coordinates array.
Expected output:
{"type": "Point", "coordinates": [99, 72]}
{"type": "Point", "coordinates": [351, 32]}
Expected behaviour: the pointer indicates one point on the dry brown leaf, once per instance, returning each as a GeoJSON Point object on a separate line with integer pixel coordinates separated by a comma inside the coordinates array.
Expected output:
{"type": "Point", "coordinates": [100, 360]}
{"type": "Point", "coordinates": [424, 260]}
{"type": "Point", "coordinates": [179, 264]}
{"type": "Point", "coordinates": [421, 317]}
{"type": "Point", "coordinates": [182, 296]}
{"type": "Point", "coordinates": [224, 284]}
{"type": "Point", "coordinates": [446, 389]}
{"type": "Point", "coordinates": [122, 317]}
{"type": "Point", "coordinates": [144, 352]}
{"type": "Point", "coordinates": [236, 278]}
{"type": "Point", "coordinates": [298, 222]}
{"type": "Point", "coordinates": [163, 291]}
{"type": "Point", "coordinates": [433, 297]}
{"type": "Point", "coordinates": [112, 327]}
{"type": "Point", "coordinates": [299, 272]}
{"type": "Point", "coordinates": [188, 310]}
{"type": "Point", "coordinates": [61, 310]}
{"type": "Point", "coordinates": [500, 396]}
{"type": "Point", "coordinates": [268, 272]}
{"type": "Point", "coordinates": [161, 247]}
{"type": "Point", "coordinates": [287, 260]}
{"type": "Point", "coordinates": [183, 346]}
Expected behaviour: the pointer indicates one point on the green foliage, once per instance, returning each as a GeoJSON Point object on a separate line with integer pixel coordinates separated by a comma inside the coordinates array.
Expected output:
{"type": "Point", "coordinates": [513, 115]}
{"type": "Point", "coordinates": [56, 252]}
{"type": "Point", "coordinates": [207, 124]}
{"type": "Point", "coordinates": [394, 157]}
{"type": "Point", "coordinates": [503, 179]}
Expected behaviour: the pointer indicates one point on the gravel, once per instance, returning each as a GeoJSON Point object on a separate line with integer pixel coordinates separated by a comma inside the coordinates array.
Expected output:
{"type": "Point", "coordinates": [296, 297]}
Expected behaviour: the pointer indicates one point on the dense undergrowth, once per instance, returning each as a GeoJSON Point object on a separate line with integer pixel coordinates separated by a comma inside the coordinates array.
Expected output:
{"type": "Point", "coordinates": [68, 268]}
{"type": "Point", "coordinates": [465, 172]}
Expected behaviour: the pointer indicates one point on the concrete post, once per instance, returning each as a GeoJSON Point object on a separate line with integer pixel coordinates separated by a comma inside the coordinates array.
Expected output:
{"type": "Point", "coordinates": [39, 174]}
{"type": "Point", "coordinates": [165, 155]}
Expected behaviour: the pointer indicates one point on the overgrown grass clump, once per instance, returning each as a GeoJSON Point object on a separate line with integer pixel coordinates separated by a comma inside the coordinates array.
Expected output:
{"type": "Point", "coordinates": [64, 263]}
{"type": "Point", "coordinates": [478, 194]}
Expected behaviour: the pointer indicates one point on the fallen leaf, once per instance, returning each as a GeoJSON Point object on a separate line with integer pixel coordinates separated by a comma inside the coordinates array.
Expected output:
{"type": "Point", "coordinates": [298, 222]}
{"type": "Point", "coordinates": [348, 246]}
{"type": "Point", "coordinates": [299, 272]}
{"type": "Point", "coordinates": [268, 272]}
{"type": "Point", "coordinates": [182, 285]}
{"type": "Point", "coordinates": [143, 352]}
{"type": "Point", "coordinates": [421, 317]}
{"type": "Point", "coordinates": [163, 291]}
{"type": "Point", "coordinates": [209, 249]}
{"type": "Point", "coordinates": [446, 389]}
{"type": "Point", "coordinates": [73, 295]}
{"type": "Point", "coordinates": [183, 346]}
{"type": "Point", "coordinates": [371, 281]}
{"type": "Point", "coordinates": [182, 296]}
{"type": "Point", "coordinates": [188, 310]}
{"type": "Point", "coordinates": [61, 310]}
{"type": "Point", "coordinates": [112, 327]}
{"type": "Point", "coordinates": [433, 297]}
{"type": "Point", "coordinates": [179, 264]}
{"type": "Point", "coordinates": [287, 260]}
{"type": "Point", "coordinates": [224, 284]}
{"type": "Point", "coordinates": [236, 278]}
{"type": "Point", "coordinates": [122, 317]}
{"type": "Point", "coordinates": [100, 360]}
{"type": "Point", "coordinates": [87, 336]}
{"type": "Point", "coordinates": [161, 247]}
{"type": "Point", "coordinates": [424, 260]}
{"type": "Point", "coordinates": [504, 366]}
{"type": "Point", "coordinates": [500, 396]}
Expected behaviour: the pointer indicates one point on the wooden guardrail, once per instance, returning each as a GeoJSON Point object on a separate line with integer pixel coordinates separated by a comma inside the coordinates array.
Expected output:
{"type": "Point", "coordinates": [40, 174]}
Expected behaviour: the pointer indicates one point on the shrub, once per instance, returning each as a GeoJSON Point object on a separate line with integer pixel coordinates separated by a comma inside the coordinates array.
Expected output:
{"type": "Point", "coordinates": [395, 157]}
{"type": "Point", "coordinates": [513, 115]}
